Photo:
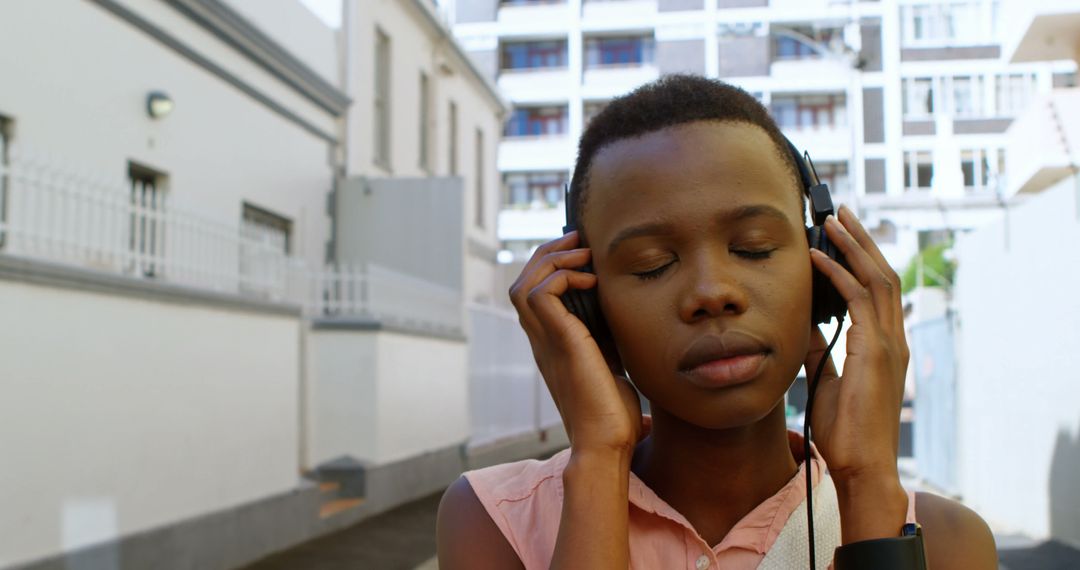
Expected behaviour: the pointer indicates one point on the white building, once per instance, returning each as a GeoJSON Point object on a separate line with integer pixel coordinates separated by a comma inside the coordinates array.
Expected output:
{"type": "Point", "coordinates": [1017, 440]}
{"type": "Point", "coordinates": [217, 270]}
{"type": "Point", "coordinates": [863, 86]}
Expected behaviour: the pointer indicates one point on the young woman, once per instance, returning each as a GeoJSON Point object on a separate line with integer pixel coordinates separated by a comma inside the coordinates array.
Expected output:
{"type": "Point", "coordinates": [693, 217]}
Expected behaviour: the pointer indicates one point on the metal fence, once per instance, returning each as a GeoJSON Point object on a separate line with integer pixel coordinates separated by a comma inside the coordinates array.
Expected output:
{"type": "Point", "coordinates": [507, 394]}
{"type": "Point", "coordinates": [935, 433]}
{"type": "Point", "coordinates": [373, 291]}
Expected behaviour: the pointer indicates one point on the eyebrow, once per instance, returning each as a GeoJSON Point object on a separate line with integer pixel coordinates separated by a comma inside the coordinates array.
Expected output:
{"type": "Point", "coordinates": [727, 216]}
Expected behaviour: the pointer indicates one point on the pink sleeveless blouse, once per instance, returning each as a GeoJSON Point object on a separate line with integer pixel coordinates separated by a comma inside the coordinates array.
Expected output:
{"type": "Point", "coordinates": [524, 499]}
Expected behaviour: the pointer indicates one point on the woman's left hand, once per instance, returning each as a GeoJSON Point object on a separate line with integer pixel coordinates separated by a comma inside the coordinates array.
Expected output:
{"type": "Point", "coordinates": [856, 418]}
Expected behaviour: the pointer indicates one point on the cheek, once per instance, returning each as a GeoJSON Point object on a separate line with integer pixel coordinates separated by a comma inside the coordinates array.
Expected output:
{"type": "Point", "coordinates": [636, 320]}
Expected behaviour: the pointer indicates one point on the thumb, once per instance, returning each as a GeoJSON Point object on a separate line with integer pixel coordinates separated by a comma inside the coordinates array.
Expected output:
{"type": "Point", "coordinates": [814, 355]}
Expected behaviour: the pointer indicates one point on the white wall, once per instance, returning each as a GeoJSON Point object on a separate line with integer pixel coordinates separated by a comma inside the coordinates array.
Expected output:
{"type": "Point", "coordinates": [416, 47]}
{"type": "Point", "coordinates": [121, 414]}
{"type": "Point", "coordinates": [75, 80]}
{"type": "Point", "coordinates": [1019, 375]}
{"type": "Point", "coordinates": [297, 29]}
{"type": "Point", "coordinates": [382, 396]}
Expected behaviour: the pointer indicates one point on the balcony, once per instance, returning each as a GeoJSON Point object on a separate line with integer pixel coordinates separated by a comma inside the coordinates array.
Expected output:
{"type": "Point", "coordinates": [551, 152]}
{"type": "Point", "coordinates": [531, 225]}
{"type": "Point", "coordinates": [533, 15]}
{"type": "Point", "coordinates": [1041, 31]}
{"type": "Point", "coordinates": [1054, 121]}
{"type": "Point", "coordinates": [598, 15]}
{"type": "Point", "coordinates": [534, 71]}
{"type": "Point", "coordinates": [57, 214]}
{"type": "Point", "coordinates": [615, 65]}
{"type": "Point", "coordinates": [536, 85]}
{"type": "Point", "coordinates": [810, 58]}
{"type": "Point", "coordinates": [949, 25]}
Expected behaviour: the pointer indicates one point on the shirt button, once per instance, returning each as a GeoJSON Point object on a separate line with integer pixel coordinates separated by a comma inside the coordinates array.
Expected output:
{"type": "Point", "coordinates": [702, 562]}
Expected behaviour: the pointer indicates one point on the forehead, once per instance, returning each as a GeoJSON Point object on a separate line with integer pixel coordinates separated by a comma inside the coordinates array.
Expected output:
{"type": "Point", "coordinates": [686, 169]}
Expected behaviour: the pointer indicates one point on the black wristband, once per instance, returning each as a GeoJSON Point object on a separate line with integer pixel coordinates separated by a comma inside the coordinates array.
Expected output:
{"type": "Point", "coordinates": [900, 553]}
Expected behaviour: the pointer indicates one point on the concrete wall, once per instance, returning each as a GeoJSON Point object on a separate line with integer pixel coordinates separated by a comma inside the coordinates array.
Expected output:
{"type": "Point", "coordinates": [123, 414]}
{"type": "Point", "coordinates": [394, 222]}
{"type": "Point", "coordinates": [377, 402]}
{"type": "Point", "coordinates": [681, 56]}
{"type": "Point", "coordinates": [82, 101]}
{"type": "Point", "coordinates": [678, 5]}
{"type": "Point", "coordinates": [1018, 386]}
{"type": "Point", "coordinates": [873, 115]}
{"type": "Point", "coordinates": [747, 57]}
{"type": "Point", "coordinates": [417, 45]}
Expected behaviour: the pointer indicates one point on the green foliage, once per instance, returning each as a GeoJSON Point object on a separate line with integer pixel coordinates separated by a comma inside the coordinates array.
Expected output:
{"type": "Point", "coordinates": [937, 271]}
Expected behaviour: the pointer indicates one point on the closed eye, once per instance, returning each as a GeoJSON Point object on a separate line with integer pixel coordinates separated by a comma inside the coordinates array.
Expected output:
{"type": "Point", "coordinates": [654, 273]}
{"type": "Point", "coordinates": [754, 254]}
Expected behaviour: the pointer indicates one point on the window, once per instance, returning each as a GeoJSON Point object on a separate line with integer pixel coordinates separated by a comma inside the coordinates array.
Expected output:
{"type": "Point", "coordinates": [425, 121]}
{"type": "Point", "coordinates": [618, 51]}
{"type": "Point", "coordinates": [1014, 90]}
{"type": "Point", "coordinates": [982, 168]}
{"type": "Point", "coordinates": [264, 247]}
{"type": "Point", "coordinates": [530, 55]}
{"type": "Point", "coordinates": [835, 174]}
{"type": "Point", "coordinates": [967, 96]}
{"type": "Point", "coordinates": [918, 98]}
{"type": "Point", "coordinates": [949, 22]}
{"type": "Point", "coordinates": [918, 170]}
{"type": "Point", "coordinates": [479, 175]}
{"type": "Point", "coordinates": [526, 190]}
{"type": "Point", "coordinates": [147, 221]}
{"type": "Point", "coordinates": [7, 132]}
{"type": "Point", "coordinates": [809, 111]}
{"type": "Point", "coordinates": [792, 47]}
{"type": "Point", "coordinates": [382, 99]}
{"type": "Point", "coordinates": [537, 121]}
{"type": "Point", "coordinates": [453, 139]}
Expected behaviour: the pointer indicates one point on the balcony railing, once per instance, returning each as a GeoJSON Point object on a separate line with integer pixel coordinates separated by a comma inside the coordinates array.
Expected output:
{"type": "Point", "coordinates": [375, 292]}
{"type": "Point", "coordinates": [54, 212]}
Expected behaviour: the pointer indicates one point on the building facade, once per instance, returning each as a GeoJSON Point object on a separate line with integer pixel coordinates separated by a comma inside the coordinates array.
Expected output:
{"type": "Point", "coordinates": [863, 86]}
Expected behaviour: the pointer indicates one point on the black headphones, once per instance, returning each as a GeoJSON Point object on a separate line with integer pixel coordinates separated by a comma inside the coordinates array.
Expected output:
{"type": "Point", "coordinates": [827, 302]}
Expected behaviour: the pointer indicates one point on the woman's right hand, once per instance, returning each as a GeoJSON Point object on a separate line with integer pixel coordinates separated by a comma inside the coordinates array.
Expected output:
{"type": "Point", "coordinates": [600, 409]}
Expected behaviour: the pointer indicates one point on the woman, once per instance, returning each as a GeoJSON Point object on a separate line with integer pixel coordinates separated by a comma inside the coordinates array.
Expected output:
{"type": "Point", "coordinates": [692, 214]}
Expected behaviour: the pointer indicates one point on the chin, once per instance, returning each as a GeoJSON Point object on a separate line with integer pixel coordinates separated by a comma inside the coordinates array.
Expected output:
{"type": "Point", "coordinates": [730, 410]}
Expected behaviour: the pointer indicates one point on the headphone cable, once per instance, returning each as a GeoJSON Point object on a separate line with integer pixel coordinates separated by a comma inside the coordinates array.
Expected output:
{"type": "Point", "coordinates": [806, 440]}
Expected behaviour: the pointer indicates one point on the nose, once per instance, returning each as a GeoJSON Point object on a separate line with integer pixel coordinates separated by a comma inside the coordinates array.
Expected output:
{"type": "Point", "coordinates": [712, 289]}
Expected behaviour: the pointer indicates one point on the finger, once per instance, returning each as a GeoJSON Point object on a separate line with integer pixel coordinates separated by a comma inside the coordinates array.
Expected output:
{"type": "Point", "coordinates": [566, 241]}
{"type": "Point", "coordinates": [814, 355]}
{"type": "Point", "coordinates": [545, 301]}
{"type": "Point", "coordinates": [858, 298]}
{"type": "Point", "coordinates": [544, 267]}
{"type": "Point", "coordinates": [856, 229]}
{"type": "Point", "coordinates": [864, 268]}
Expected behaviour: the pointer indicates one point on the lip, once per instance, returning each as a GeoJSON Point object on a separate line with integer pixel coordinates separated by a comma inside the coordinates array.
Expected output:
{"type": "Point", "coordinates": [730, 358]}
{"type": "Point", "coordinates": [727, 371]}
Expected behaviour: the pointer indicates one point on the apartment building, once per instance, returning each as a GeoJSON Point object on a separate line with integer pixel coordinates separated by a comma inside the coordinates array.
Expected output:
{"type": "Point", "coordinates": [868, 88]}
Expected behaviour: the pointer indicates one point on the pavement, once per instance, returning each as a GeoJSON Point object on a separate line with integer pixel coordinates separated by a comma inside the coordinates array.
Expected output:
{"type": "Point", "coordinates": [404, 539]}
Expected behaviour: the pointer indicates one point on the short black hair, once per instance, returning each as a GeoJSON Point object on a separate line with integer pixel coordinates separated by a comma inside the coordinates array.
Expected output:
{"type": "Point", "coordinates": [669, 101]}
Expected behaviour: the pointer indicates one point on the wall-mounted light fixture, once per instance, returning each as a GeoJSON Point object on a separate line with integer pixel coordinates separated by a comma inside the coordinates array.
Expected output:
{"type": "Point", "coordinates": [158, 104]}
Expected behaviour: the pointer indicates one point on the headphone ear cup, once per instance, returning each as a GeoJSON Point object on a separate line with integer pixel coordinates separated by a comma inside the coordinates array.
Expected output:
{"type": "Point", "coordinates": [827, 301]}
{"type": "Point", "coordinates": [584, 304]}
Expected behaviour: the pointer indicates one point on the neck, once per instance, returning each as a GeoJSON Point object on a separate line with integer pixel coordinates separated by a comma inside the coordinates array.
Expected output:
{"type": "Point", "coordinates": [715, 477]}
